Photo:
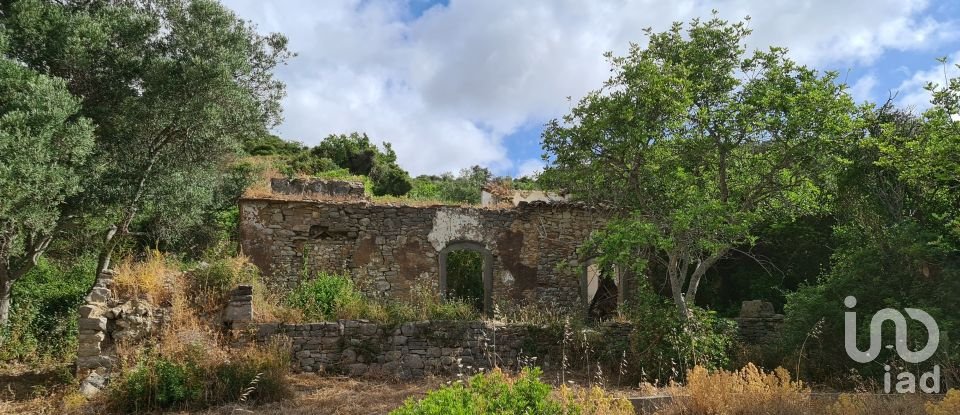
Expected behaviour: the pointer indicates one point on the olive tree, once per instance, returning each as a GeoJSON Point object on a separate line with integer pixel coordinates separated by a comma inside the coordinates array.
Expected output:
{"type": "Point", "coordinates": [43, 145]}
{"type": "Point", "coordinates": [174, 87]}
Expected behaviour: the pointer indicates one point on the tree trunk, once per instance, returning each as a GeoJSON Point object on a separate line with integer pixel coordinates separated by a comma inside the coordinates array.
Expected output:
{"type": "Point", "coordinates": [676, 286]}
{"type": "Point", "coordinates": [103, 263]}
{"type": "Point", "coordinates": [115, 231]}
{"type": "Point", "coordinates": [6, 288]}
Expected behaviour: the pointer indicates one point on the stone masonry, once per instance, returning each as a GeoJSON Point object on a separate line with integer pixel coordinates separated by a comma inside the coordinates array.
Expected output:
{"type": "Point", "coordinates": [758, 323]}
{"type": "Point", "coordinates": [317, 188]}
{"type": "Point", "coordinates": [238, 312]}
{"type": "Point", "coordinates": [360, 347]}
{"type": "Point", "coordinates": [106, 320]}
{"type": "Point", "coordinates": [387, 248]}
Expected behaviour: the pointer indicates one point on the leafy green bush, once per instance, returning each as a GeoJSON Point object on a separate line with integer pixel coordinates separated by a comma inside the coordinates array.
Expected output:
{"type": "Point", "coordinates": [43, 323]}
{"type": "Point", "coordinates": [210, 284]}
{"type": "Point", "coordinates": [665, 347]}
{"type": "Point", "coordinates": [324, 297]}
{"type": "Point", "coordinates": [160, 383]}
{"type": "Point", "coordinates": [882, 269]}
{"type": "Point", "coordinates": [492, 393]}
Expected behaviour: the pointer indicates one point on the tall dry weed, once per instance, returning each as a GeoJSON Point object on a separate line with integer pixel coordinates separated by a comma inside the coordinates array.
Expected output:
{"type": "Point", "coordinates": [592, 401]}
{"type": "Point", "coordinates": [149, 279]}
{"type": "Point", "coordinates": [746, 391]}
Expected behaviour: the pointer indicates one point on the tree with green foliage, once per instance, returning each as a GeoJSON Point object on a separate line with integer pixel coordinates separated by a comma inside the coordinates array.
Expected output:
{"type": "Point", "coordinates": [269, 144]}
{"type": "Point", "coordinates": [356, 154]}
{"type": "Point", "coordinates": [695, 141]}
{"type": "Point", "coordinates": [43, 146]}
{"type": "Point", "coordinates": [387, 176]}
{"type": "Point", "coordinates": [174, 87]}
{"type": "Point", "coordinates": [897, 239]}
{"type": "Point", "coordinates": [353, 152]}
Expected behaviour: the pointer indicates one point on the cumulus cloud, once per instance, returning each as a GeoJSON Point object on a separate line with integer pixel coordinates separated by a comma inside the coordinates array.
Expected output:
{"type": "Point", "coordinates": [862, 90]}
{"type": "Point", "coordinates": [448, 86]}
{"type": "Point", "coordinates": [530, 168]}
{"type": "Point", "coordinates": [911, 92]}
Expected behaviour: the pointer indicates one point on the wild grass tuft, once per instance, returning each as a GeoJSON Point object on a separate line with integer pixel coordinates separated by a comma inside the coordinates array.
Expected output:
{"type": "Point", "coordinates": [148, 279]}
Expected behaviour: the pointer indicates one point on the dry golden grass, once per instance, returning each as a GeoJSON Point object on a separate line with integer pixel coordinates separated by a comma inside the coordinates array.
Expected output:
{"type": "Point", "coordinates": [870, 404]}
{"type": "Point", "coordinates": [746, 391]}
{"type": "Point", "coordinates": [949, 405]}
{"type": "Point", "coordinates": [594, 401]}
{"type": "Point", "coordinates": [265, 168]}
{"type": "Point", "coordinates": [148, 279]}
{"type": "Point", "coordinates": [752, 391]}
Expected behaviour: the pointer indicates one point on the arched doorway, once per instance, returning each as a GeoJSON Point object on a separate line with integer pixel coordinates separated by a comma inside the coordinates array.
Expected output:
{"type": "Point", "coordinates": [601, 289]}
{"type": "Point", "coordinates": [463, 283]}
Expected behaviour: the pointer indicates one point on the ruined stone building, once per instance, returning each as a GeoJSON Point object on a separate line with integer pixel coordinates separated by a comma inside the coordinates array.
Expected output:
{"type": "Point", "coordinates": [529, 249]}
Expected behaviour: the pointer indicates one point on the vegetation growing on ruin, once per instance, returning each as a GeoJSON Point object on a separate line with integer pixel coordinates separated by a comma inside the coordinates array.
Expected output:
{"type": "Point", "coordinates": [329, 297]}
{"type": "Point", "coordinates": [737, 174]}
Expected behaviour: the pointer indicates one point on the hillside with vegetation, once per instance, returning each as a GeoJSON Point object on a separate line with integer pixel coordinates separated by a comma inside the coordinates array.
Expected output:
{"type": "Point", "coordinates": [129, 130]}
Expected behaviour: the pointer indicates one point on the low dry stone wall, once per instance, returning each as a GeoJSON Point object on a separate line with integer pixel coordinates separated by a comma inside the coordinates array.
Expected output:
{"type": "Point", "coordinates": [106, 320]}
{"type": "Point", "coordinates": [360, 347]}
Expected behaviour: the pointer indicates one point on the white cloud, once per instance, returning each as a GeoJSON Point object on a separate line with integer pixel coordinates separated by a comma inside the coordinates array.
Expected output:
{"type": "Point", "coordinates": [862, 90]}
{"type": "Point", "coordinates": [447, 87]}
{"type": "Point", "coordinates": [530, 168]}
{"type": "Point", "coordinates": [911, 92]}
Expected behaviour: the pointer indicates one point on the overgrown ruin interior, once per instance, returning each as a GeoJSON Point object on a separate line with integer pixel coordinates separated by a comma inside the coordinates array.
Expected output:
{"type": "Point", "coordinates": [529, 249]}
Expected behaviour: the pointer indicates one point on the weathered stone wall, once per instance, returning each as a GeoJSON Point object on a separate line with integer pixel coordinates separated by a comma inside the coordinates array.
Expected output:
{"type": "Point", "coordinates": [106, 320]}
{"type": "Point", "coordinates": [359, 347]}
{"type": "Point", "coordinates": [388, 247]}
{"type": "Point", "coordinates": [758, 323]}
{"type": "Point", "coordinates": [238, 313]}
{"type": "Point", "coordinates": [317, 188]}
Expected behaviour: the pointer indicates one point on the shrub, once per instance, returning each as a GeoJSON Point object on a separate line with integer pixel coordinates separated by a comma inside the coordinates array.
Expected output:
{"type": "Point", "coordinates": [158, 383]}
{"type": "Point", "coordinates": [498, 393]}
{"type": "Point", "coordinates": [331, 297]}
{"type": "Point", "coordinates": [324, 297]}
{"type": "Point", "coordinates": [949, 405]}
{"type": "Point", "coordinates": [488, 393]}
{"type": "Point", "coordinates": [210, 286]}
{"type": "Point", "coordinates": [872, 403]}
{"type": "Point", "coordinates": [254, 374]}
{"type": "Point", "coordinates": [43, 324]}
{"type": "Point", "coordinates": [667, 347]}
{"type": "Point", "coordinates": [426, 304]}
{"type": "Point", "coordinates": [593, 401]}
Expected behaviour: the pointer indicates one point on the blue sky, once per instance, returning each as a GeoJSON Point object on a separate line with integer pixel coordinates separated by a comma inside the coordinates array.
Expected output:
{"type": "Point", "coordinates": [457, 83]}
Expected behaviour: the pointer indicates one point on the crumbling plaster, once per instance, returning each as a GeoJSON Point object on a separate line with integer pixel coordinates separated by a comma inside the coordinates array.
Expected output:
{"type": "Point", "coordinates": [387, 248]}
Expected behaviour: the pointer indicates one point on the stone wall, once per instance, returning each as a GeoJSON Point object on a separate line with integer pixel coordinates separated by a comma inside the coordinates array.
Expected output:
{"type": "Point", "coordinates": [360, 347]}
{"type": "Point", "coordinates": [317, 188]}
{"type": "Point", "coordinates": [106, 320]}
{"type": "Point", "coordinates": [532, 248]}
{"type": "Point", "coordinates": [758, 323]}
